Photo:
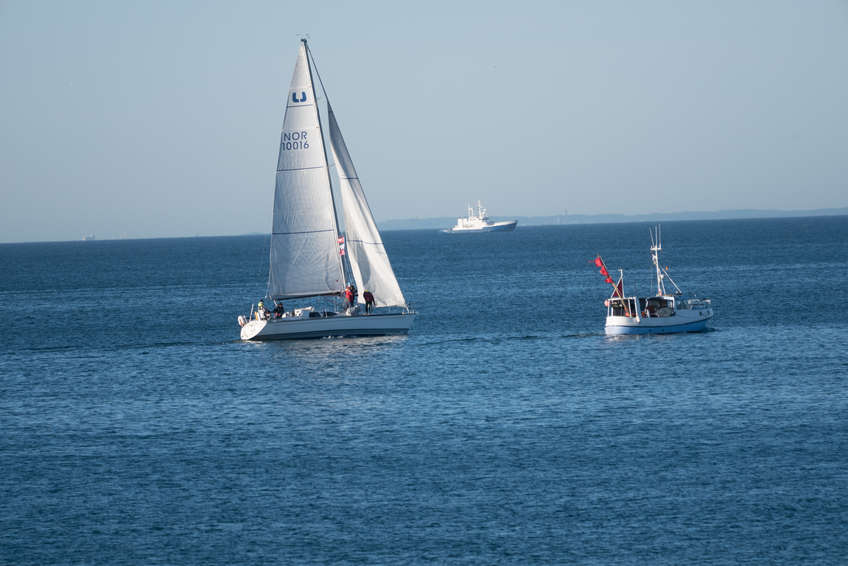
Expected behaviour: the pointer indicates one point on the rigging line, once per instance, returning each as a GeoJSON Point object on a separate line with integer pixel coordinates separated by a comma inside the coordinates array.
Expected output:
{"type": "Point", "coordinates": [344, 144]}
{"type": "Point", "coordinates": [320, 80]}
{"type": "Point", "coordinates": [330, 108]}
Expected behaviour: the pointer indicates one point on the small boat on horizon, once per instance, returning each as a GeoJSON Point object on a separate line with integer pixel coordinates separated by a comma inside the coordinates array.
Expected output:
{"type": "Point", "coordinates": [478, 221]}
{"type": "Point", "coordinates": [310, 258]}
{"type": "Point", "coordinates": [663, 313]}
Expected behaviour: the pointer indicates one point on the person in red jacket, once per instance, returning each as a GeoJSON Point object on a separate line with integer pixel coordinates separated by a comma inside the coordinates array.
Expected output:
{"type": "Point", "coordinates": [349, 298]}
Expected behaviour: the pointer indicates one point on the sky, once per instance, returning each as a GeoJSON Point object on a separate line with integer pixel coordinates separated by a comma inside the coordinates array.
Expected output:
{"type": "Point", "coordinates": [157, 119]}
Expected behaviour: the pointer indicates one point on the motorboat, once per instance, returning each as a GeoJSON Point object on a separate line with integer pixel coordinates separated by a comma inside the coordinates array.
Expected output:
{"type": "Point", "coordinates": [663, 313]}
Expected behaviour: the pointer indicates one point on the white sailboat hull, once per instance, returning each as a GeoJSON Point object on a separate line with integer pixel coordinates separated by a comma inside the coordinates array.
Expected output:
{"type": "Point", "coordinates": [684, 320]}
{"type": "Point", "coordinates": [320, 327]}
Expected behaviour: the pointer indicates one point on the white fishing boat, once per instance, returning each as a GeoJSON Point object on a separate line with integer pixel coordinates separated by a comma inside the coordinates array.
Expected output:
{"type": "Point", "coordinates": [478, 221]}
{"type": "Point", "coordinates": [663, 313]}
{"type": "Point", "coordinates": [310, 258]}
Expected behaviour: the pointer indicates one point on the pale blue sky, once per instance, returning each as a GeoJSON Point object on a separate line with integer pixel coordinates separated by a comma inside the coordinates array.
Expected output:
{"type": "Point", "coordinates": [163, 118]}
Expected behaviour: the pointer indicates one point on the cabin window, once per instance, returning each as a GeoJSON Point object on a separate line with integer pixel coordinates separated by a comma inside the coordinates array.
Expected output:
{"type": "Point", "coordinates": [625, 307]}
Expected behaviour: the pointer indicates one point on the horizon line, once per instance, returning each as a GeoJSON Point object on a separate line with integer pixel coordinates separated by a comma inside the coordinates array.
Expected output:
{"type": "Point", "coordinates": [586, 219]}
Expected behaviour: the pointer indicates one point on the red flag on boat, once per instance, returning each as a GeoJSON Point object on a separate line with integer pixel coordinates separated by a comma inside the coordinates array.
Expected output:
{"type": "Point", "coordinates": [618, 288]}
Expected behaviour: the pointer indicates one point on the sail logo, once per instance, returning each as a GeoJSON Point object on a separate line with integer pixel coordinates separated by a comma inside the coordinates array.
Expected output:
{"type": "Point", "coordinates": [295, 98]}
{"type": "Point", "coordinates": [294, 140]}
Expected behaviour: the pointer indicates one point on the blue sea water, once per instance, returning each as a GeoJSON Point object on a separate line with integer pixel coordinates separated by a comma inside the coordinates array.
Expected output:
{"type": "Point", "coordinates": [135, 428]}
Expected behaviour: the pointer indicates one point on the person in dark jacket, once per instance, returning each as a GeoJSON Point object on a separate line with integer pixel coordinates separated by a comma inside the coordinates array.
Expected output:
{"type": "Point", "coordinates": [369, 301]}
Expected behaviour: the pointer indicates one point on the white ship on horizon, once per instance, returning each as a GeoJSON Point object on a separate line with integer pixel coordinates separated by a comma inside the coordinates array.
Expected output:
{"type": "Point", "coordinates": [478, 221]}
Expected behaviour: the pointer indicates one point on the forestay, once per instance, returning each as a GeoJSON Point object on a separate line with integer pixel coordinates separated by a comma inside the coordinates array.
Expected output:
{"type": "Point", "coordinates": [365, 251]}
{"type": "Point", "coordinates": [305, 257]}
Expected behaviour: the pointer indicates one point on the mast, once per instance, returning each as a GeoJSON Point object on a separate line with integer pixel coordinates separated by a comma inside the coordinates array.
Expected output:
{"type": "Point", "coordinates": [656, 247]}
{"type": "Point", "coordinates": [324, 147]}
{"type": "Point", "coordinates": [662, 272]}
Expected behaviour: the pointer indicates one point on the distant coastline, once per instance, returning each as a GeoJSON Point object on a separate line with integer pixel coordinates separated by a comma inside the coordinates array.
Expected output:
{"type": "Point", "coordinates": [438, 223]}
{"type": "Point", "coordinates": [740, 214]}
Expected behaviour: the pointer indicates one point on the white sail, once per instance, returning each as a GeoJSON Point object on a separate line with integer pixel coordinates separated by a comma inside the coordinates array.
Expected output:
{"type": "Point", "coordinates": [368, 260]}
{"type": "Point", "coordinates": [305, 257]}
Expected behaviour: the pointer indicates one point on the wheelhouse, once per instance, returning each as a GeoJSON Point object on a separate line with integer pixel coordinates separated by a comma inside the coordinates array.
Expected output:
{"type": "Point", "coordinates": [642, 307]}
{"type": "Point", "coordinates": [622, 307]}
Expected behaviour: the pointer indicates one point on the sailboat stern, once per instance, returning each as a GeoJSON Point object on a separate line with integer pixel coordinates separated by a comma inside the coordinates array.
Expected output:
{"type": "Point", "coordinates": [252, 329]}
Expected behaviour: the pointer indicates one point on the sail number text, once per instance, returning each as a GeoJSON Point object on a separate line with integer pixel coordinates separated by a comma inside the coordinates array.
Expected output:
{"type": "Point", "coordinates": [294, 140]}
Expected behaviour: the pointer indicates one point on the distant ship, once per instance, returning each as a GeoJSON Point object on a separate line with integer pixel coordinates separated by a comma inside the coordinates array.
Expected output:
{"type": "Point", "coordinates": [89, 237]}
{"type": "Point", "coordinates": [479, 222]}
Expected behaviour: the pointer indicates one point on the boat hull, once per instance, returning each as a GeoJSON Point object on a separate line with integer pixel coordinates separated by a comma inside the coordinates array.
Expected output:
{"type": "Point", "coordinates": [621, 325]}
{"type": "Point", "coordinates": [321, 327]}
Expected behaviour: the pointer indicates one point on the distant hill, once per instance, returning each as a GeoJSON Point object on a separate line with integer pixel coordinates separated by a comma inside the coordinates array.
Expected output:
{"type": "Point", "coordinates": [447, 222]}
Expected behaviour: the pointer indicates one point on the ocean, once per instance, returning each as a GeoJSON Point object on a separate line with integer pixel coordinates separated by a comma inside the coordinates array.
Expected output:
{"type": "Point", "coordinates": [135, 427]}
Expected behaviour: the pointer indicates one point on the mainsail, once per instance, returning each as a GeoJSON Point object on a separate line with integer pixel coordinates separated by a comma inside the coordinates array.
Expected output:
{"type": "Point", "coordinates": [305, 257]}
{"type": "Point", "coordinates": [366, 254]}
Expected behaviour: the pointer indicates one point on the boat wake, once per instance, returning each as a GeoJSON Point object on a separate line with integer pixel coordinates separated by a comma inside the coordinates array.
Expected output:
{"type": "Point", "coordinates": [507, 339]}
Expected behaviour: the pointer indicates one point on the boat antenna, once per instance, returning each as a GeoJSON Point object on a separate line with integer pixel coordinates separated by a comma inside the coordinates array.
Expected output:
{"type": "Point", "coordinates": [656, 247]}
{"type": "Point", "coordinates": [662, 273]}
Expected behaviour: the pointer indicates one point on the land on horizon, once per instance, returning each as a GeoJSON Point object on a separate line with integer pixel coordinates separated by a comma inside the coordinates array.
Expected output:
{"type": "Point", "coordinates": [437, 223]}
{"type": "Point", "coordinates": [557, 219]}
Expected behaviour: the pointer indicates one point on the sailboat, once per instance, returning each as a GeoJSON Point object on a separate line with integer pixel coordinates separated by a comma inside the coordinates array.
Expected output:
{"type": "Point", "coordinates": [310, 257]}
{"type": "Point", "coordinates": [664, 313]}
